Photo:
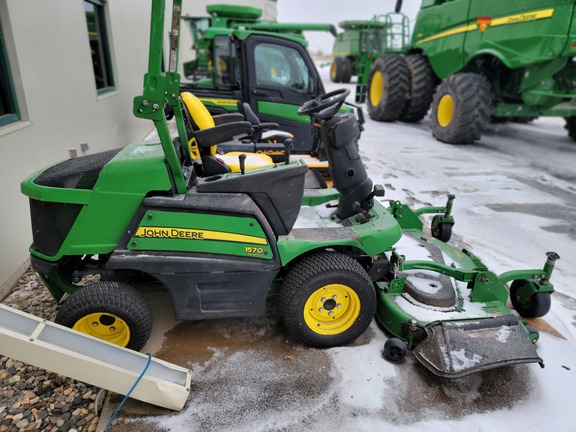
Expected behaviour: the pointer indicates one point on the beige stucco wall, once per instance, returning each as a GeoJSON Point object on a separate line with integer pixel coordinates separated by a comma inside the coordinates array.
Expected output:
{"type": "Point", "coordinates": [48, 49]}
{"type": "Point", "coordinates": [49, 55]}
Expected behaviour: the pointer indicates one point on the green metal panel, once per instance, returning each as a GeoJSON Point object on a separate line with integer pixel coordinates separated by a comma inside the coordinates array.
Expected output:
{"type": "Point", "coordinates": [206, 233]}
{"type": "Point", "coordinates": [373, 237]}
{"type": "Point", "coordinates": [282, 110]}
{"type": "Point", "coordinates": [519, 33]}
{"type": "Point", "coordinates": [122, 185]}
{"type": "Point", "coordinates": [230, 105]}
{"type": "Point", "coordinates": [454, 32]}
{"type": "Point", "coordinates": [439, 31]}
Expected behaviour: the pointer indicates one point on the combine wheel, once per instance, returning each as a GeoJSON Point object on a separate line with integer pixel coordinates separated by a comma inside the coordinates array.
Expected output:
{"type": "Point", "coordinates": [571, 127]}
{"type": "Point", "coordinates": [421, 90]}
{"type": "Point", "coordinates": [442, 230]}
{"type": "Point", "coordinates": [387, 88]}
{"type": "Point", "coordinates": [461, 108]}
{"type": "Point", "coordinates": [326, 300]}
{"type": "Point", "coordinates": [336, 69]}
{"type": "Point", "coordinates": [347, 70]}
{"type": "Point", "coordinates": [394, 349]}
{"type": "Point", "coordinates": [537, 305]}
{"type": "Point", "coordinates": [111, 311]}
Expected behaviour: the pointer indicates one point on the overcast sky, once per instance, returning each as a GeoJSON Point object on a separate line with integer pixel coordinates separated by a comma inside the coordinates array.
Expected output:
{"type": "Point", "coordinates": [335, 11]}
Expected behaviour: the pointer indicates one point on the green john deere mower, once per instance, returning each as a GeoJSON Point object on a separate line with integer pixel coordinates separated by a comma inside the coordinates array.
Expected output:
{"type": "Point", "coordinates": [221, 244]}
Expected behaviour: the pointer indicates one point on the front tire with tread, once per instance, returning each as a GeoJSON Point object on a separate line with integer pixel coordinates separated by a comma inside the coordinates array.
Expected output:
{"type": "Point", "coordinates": [421, 89]}
{"type": "Point", "coordinates": [347, 70]}
{"type": "Point", "coordinates": [387, 88]}
{"type": "Point", "coordinates": [118, 307]}
{"type": "Point", "coordinates": [336, 69]}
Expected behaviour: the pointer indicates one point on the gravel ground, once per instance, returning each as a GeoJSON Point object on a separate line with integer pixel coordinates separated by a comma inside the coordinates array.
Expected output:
{"type": "Point", "coordinates": [33, 399]}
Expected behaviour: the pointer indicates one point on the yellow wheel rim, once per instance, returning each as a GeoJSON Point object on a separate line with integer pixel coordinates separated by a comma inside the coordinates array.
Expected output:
{"type": "Point", "coordinates": [445, 110]}
{"type": "Point", "coordinates": [104, 326]}
{"type": "Point", "coordinates": [332, 309]}
{"type": "Point", "coordinates": [333, 71]}
{"type": "Point", "coordinates": [376, 88]}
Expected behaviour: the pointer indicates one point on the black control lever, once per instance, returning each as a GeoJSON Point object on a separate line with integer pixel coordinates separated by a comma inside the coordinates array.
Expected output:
{"type": "Point", "coordinates": [287, 148]}
{"type": "Point", "coordinates": [363, 216]}
{"type": "Point", "coordinates": [242, 160]}
{"type": "Point", "coordinates": [377, 191]}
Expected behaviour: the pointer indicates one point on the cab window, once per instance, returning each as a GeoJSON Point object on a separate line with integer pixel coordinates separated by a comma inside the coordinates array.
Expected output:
{"type": "Point", "coordinates": [224, 61]}
{"type": "Point", "coordinates": [281, 66]}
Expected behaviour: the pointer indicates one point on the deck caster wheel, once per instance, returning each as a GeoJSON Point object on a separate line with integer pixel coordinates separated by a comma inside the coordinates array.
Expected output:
{"type": "Point", "coordinates": [442, 230]}
{"type": "Point", "coordinates": [536, 305]}
{"type": "Point", "coordinates": [394, 349]}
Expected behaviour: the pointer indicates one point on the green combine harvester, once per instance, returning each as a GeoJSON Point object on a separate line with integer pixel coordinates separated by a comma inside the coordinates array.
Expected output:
{"type": "Point", "coordinates": [150, 216]}
{"type": "Point", "coordinates": [223, 16]}
{"type": "Point", "coordinates": [362, 41]}
{"type": "Point", "coordinates": [474, 62]}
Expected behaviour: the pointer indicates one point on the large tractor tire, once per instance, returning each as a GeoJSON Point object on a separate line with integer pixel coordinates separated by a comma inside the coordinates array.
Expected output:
{"type": "Point", "coordinates": [336, 69]}
{"type": "Point", "coordinates": [111, 311]}
{"type": "Point", "coordinates": [421, 90]}
{"type": "Point", "coordinates": [387, 88]}
{"type": "Point", "coordinates": [571, 127]}
{"type": "Point", "coordinates": [461, 108]}
{"type": "Point", "coordinates": [326, 300]}
{"type": "Point", "coordinates": [347, 70]}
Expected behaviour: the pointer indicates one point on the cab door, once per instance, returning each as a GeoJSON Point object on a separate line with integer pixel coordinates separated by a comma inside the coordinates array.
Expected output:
{"type": "Point", "coordinates": [278, 79]}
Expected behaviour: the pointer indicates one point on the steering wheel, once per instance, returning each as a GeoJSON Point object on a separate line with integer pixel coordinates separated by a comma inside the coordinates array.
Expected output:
{"type": "Point", "coordinates": [326, 105]}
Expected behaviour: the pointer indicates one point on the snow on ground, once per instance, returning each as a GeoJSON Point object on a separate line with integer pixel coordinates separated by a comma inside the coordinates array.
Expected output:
{"type": "Point", "coordinates": [515, 200]}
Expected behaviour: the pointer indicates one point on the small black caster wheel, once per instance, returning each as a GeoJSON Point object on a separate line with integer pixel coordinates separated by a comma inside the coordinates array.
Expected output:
{"type": "Point", "coordinates": [443, 230]}
{"type": "Point", "coordinates": [394, 349]}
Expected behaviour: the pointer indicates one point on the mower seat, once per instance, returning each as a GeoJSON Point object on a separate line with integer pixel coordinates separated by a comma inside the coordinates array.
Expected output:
{"type": "Point", "coordinates": [268, 131]}
{"type": "Point", "coordinates": [206, 135]}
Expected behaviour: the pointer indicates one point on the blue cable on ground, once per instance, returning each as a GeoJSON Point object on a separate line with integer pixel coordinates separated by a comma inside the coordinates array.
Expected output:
{"type": "Point", "coordinates": [128, 394]}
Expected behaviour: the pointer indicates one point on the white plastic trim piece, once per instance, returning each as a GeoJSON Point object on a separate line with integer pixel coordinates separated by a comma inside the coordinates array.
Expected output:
{"type": "Point", "coordinates": [51, 346]}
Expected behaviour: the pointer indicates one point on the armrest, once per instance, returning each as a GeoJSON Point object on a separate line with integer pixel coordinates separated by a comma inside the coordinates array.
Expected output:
{"type": "Point", "coordinates": [227, 118]}
{"type": "Point", "coordinates": [268, 125]}
{"type": "Point", "coordinates": [221, 133]}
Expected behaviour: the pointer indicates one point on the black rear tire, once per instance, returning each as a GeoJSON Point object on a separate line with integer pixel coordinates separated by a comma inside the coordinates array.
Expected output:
{"type": "Point", "coordinates": [421, 90]}
{"type": "Point", "coordinates": [387, 88]}
{"type": "Point", "coordinates": [111, 311]}
{"type": "Point", "coordinates": [336, 70]}
{"type": "Point", "coordinates": [536, 306]}
{"type": "Point", "coordinates": [326, 300]}
{"type": "Point", "coordinates": [461, 108]}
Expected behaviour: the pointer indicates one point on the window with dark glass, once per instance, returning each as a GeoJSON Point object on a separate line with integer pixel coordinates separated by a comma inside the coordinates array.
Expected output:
{"type": "Point", "coordinates": [96, 20]}
{"type": "Point", "coordinates": [8, 105]}
{"type": "Point", "coordinates": [281, 66]}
